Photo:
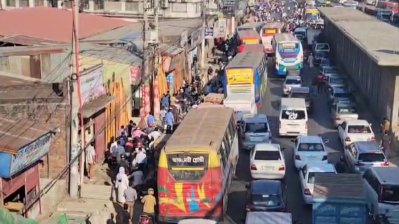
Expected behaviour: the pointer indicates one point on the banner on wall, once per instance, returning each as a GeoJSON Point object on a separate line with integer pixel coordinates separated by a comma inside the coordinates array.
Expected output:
{"type": "Point", "coordinates": [92, 83]}
{"type": "Point", "coordinates": [135, 75]}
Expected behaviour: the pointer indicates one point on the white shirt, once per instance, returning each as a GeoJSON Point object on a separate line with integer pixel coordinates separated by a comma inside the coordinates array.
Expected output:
{"type": "Point", "coordinates": [112, 147]}
{"type": "Point", "coordinates": [90, 154]}
{"type": "Point", "coordinates": [140, 157]}
{"type": "Point", "coordinates": [155, 135]}
{"type": "Point", "coordinates": [137, 177]}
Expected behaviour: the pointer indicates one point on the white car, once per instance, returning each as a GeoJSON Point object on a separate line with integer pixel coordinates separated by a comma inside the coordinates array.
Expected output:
{"type": "Point", "coordinates": [307, 176]}
{"type": "Point", "coordinates": [255, 129]}
{"type": "Point", "coordinates": [343, 111]}
{"type": "Point", "coordinates": [290, 82]}
{"type": "Point", "coordinates": [309, 149]}
{"type": "Point", "coordinates": [355, 131]}
{"type": "Point", "coordinates": [267, 162]}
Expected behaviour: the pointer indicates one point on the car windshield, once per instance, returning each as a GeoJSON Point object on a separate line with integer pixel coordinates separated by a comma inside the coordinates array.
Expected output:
{"type": "Point", "coordinates": [390, 193]}
{"type": "Point", "coordinates": [336, 81]}
{"type": "Point", "coordinates": [292, 81]}
{"type": "Point", "coordinates": [358, 129]}
{"type": "Point", "coordinates": [293, 115]}
{"type": "Point", "coordinates": [329, 70]}
{"type": "Point", "coordinates": [310, 147]}
{"type": "Point", "coordinates": [311, 176]}
{"type": "Point", "coordinates": [371, 157]}
{"type": "Point", "coordinates": [299, 95]}
{"type": "Point", "coordinates": [267, 155]}
{"type": "Point", "coordinates": [266, 200]}
{"type": "Point", "coordinates": [256, 127]}
{"type": "Point", "coordinates": [346, 109]}
{"type": "Point", "coordinates": [342, 95]}
{"type": "Point", "coordinates": [322, 47]}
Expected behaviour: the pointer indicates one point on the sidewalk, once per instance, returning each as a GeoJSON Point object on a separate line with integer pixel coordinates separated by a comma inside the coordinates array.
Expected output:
{"type": "Point", "coordinates": [97, 200]}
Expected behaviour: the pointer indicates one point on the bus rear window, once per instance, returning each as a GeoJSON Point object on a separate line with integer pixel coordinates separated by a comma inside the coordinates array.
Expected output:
{"type": "Point", "coordinates": [293, 114]}
{"type": "Point", "coordinates": [189, 167]}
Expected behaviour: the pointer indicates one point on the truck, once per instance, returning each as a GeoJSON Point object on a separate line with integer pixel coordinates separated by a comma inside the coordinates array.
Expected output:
{"type": "Point", "coordinates": [268, 218]}
{"type": "Point", "coordinates": [241, 103]}
{"type": "Point", "coordinates": [339, 199]}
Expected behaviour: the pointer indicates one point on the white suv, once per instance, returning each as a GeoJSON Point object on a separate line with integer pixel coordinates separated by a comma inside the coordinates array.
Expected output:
{"type": "Point", "coordinates": [355, 131]}
{"type": "Point", "coordinates": [267, 162]}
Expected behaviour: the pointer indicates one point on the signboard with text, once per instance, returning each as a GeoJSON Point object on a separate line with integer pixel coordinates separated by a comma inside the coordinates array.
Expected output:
{"type": "Point", "coordinates": [30, 154]}
{"type": "Point", "coordinates": [220, 28]}
{"type": "Point", "coordinates": [92, 84]}
{"type": "Point", "coordinates": [240, 76]}
{"type": "Point", "coordinates": [187, 160]}
{"type": "Point", "coordinates": [208, 33]}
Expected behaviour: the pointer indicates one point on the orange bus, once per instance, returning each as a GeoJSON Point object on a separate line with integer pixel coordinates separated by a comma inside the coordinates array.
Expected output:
{"type": "Point", "coordinates": [197, 164]}
{"type": "Point", "coordinates": [248, 37]}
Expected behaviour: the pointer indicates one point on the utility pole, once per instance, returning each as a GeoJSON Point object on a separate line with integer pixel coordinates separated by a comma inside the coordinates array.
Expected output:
{"type": "Point", "coordinates": [156, 20]}
{"type": "Point", "coordinates": [75, 105]}
{"type": "Point", "coordinates": [203, 35]}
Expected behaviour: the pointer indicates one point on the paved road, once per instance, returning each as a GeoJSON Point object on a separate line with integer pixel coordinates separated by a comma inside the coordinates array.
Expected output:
{"type": "Point", "coordinates": [319, 124]}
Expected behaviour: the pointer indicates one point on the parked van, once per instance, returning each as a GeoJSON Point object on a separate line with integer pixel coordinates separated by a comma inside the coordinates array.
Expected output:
{"type": "Point", "coordinates": [254, 129]}
{"type": "Point", "coordinates": [293, 117]}
{"type": "Point", "coordinates": [241, 103]}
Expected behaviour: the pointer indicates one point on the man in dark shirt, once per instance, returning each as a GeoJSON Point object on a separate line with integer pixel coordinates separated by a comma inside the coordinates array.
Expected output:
{"type": "Point", "coordinates": [123, 216]}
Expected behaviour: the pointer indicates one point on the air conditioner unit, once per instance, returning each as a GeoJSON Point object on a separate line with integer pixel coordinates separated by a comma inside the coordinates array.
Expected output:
{"type": "Point", "coordinates": [165, 4]}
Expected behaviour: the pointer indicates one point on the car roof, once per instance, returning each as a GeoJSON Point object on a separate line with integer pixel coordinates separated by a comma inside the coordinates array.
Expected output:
{"type": "Point", "coordinates": [253, 118]}
{"type": "Point", "coordinates": [265, 186]}
{"type": "Point", "coordinates": [357, 122]}
{"type": "Point", "coordinates": [320, 167]}
{"type": "Point", "coordinates": [345, 103]}
{"type": "Point", "coordinates": [303, 89]}
{"type": "Point", "coordinates": [339, 90]}
{"type": "Point", "coordinates": [267, 147]}
{"type": "Point", "coordinates": [387, 175]}
{"type": "Point", "coordinates": [367, 146]}
{"type": "Point", "coordinates": [294, 77]}
{"type": "Point", "coordinates": [310, 139]}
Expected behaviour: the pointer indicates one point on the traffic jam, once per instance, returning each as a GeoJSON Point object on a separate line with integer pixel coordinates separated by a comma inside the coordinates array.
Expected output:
{"type": "Point", "coordinates": [301, 148]}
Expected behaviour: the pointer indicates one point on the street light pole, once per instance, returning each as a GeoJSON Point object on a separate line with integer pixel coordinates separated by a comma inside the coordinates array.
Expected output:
{"type": "Point", "coordinates": [203, 35]}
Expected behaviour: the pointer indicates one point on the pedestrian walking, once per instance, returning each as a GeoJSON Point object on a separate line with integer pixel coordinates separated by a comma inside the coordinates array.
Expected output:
{"type": "Point", "coordinates": [385, 125]}
{"type": "Point", "coordinates": [169, 121]}
{"type": "Point", "coordinates": [123, 216]}
{"type": "Point", "coordinates": [137, 177]}
{"type": "Point", "coordinates": [122, 183]}
{"type": "Point", "coordinates": [149, 203]}
{"type": "Point", "coordinates": [386, 143]}
{"type": "Point", "coordinates": [131, 197]}
{"type": "Point", "coordinates": [90, 160]}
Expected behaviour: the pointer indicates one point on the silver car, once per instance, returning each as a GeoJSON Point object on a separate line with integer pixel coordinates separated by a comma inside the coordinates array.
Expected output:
{"type": "Point", "coordinates": [343, 111]}
{"type": "Point", "coordinates": [291, 82]}
{"type": "Point", "coordinates": [360, 156]}
{"type": "Point", "coordinates": [339, 94]}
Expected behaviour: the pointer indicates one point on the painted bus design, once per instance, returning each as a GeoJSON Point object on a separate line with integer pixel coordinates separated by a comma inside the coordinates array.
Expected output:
{"type": "Point", "coordinates": [289, 53]}
{"type": "Point", "coordinates": [247, 73]}
{"type": "Point", "coordinates": [197, 164]}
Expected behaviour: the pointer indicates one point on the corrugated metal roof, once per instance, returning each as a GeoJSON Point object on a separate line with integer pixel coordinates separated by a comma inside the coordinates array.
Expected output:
{"type": "Point", "coordinates": [31, 50]}
{"type": "Point", "coordinates": [53, 24]}
{"type": "Point", "coordinates": [125, 34]}
{"type": "Point", "coordinates": [114, 54]}
{"type": "Point", "coordinates": [16, 134]}
{"type": "Point", "coordinates": [26, 41]}
{"type": "Point", "coordinates": [169, 50]}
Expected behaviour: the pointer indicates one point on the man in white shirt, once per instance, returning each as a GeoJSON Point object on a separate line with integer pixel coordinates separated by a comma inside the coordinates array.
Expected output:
{"type": "Point", "coordinates": [90, 159]}
{"type": "Point", "coordinates": [140, 159]}
{"type": "Point", "coordinates": [113, 146]}
{"type": "Point", "coordinates": [153, 136]}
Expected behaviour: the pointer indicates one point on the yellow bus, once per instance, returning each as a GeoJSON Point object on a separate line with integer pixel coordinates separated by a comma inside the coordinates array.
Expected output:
{"type": "Point", "coordinates": [197, 164]}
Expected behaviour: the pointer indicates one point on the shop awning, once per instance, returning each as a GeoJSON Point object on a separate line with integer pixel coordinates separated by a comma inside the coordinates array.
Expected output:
{"type": "Point", "coordinates": [96, 105]}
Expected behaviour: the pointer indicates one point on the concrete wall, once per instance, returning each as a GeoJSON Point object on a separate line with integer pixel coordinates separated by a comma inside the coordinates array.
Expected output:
{"type": "Point", "coordinates": [375, 83]}
{"type": "Point", "coordinates": [54, 196]}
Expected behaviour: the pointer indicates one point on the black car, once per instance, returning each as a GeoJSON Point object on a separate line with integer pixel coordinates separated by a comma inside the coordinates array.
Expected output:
{"type": "Point", "coordinates": [302, 92]}
{"type": "Point", "coordinates": [318, 57]}
{"type": "Point", "coordinates": [265, 195]}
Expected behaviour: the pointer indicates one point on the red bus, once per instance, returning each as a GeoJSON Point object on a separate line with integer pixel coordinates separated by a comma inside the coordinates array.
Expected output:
{"type": "Point", "coordinates": [197, 164]}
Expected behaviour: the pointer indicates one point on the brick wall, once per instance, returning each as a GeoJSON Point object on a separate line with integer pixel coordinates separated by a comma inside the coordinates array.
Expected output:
{"type": "Point", "coordinates": [54, 114]}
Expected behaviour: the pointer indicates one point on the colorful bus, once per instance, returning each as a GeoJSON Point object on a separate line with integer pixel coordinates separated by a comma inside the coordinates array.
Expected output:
{"type": "Point", "coordinates": [247, 73]}
{"type": "Point", "coordinates": [267, 33]}
{"type": "Point", "coordinates": [248, 37]}
{"type": "Point", "coordinates": [251, 48]}
{"type": "Point", "coordinates": [289, 53]}
{"type": "Point", "coordinates": [197, 164]}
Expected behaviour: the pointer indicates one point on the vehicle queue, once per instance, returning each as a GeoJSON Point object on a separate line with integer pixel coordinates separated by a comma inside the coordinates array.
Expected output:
{"type": "Point", "coordinates": [198, 163]}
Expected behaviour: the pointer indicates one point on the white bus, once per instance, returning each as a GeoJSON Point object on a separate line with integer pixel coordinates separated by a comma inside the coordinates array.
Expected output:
{"type": "Point", "coordinates": [289, 53]}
